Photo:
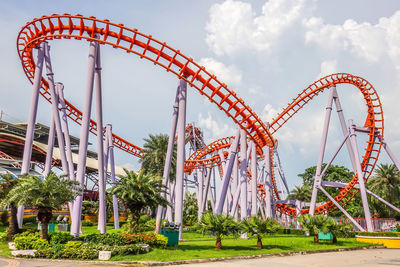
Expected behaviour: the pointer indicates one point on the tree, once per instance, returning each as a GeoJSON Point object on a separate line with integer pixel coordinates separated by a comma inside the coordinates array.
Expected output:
{"type": "Point", "coordinates": [7, 182]}
{"type": "Point", "coordinates": [302, 193]}
{"type": "Point", "coordinates": [333, 227]}
{"type": "Point", "coordinates": [43, 195]}
{"type": "Point", "coordinates": [259, 227]}
{"type": "Point", "coordinates": [190, 208]}
{"type": "Point", "coordinates": [138, 191]}
{"type": "Point", "coordinates": [314, 224]}
{"type": "Point", "coordinates": [386, 184]}
{"type": "Point", "coordinates": [154, 154]}
{"type": "Point", "coordinates": [220, 225]}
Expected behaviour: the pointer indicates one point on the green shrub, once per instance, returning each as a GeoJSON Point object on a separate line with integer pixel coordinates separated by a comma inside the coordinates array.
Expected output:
{"type": "Point", "coordinates": [161, 241]}
{"type": "Point", "coordinates": [127, 250]}
{"type": "Point", "coordinates": [389, 234]}
{"type": "Point", "coordinates": [30, 220]}
{"type": "Point", "coordinates": [105, 239]}
{"type": "Point", "coordinates": [3, 236]}
{"type": "Point", "coordinates": [87, 223]}
{"type": "Point", "coordinates": [291, 231]}
{"type": "Point", "coordinates": [4, 218]}
{"type": "Point", "coordinates": [30, 241]}
{"type": "Point", "coordinates": [60, 237]}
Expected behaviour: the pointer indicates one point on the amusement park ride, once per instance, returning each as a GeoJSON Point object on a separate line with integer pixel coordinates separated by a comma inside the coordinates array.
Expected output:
{"type": "Point", "coordinates": [247, 162]}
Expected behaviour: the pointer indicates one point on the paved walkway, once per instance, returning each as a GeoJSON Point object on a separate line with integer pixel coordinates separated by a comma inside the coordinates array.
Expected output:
{"type": "Point", "coordinates": [364, 258]}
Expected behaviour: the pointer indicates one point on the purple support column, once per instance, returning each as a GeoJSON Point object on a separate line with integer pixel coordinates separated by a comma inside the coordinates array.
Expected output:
{"type": "Point", "coordinates": [390, 154]}
{"type": "Point", "coordinates": [100, 145]}
{"type": "Point", "coordinates": [235, 187]}
{"type": "Point", "coordinates": [342, 209]}
{"type": "Point", "coordinates": [200, 195]}
{"type": "Point", "coordinates": [30, 128]}
{"type": "Point", "coordinates": [180, 156]}
{"type": "Point", "coordinates": [83, 143]}
{"type": "Point", "coordinates": [64, 123]}
{"type": "Point", "coordinates": [54, 104]}
{"type": "Point", "coordinates": [203, 206]}
{"type": "Point", "coordinates": [227, 174]}
{"type": "Point", "coordinates": [253, 179]}
{"type": "Point", "coordinates": [110, 150]}
{"type": "Point", "coordinates": [236, 196]}
{"type": "Point", "coordinates": [168, 157]}
{"type": "Point", "coordinates": [50, 147]}
{"type": "Point", "coordinates": [243, 175]}
{"type": "Point", "coordinates": [343, 125]}
{"type": "Point", "coordinates": [360, 176]}
{"type": "Point", "coordinates": [317, 178]}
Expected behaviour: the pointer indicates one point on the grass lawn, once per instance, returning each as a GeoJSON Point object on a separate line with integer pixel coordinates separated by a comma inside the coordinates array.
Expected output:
{"type": "Point", "coordinates": [198, 246]}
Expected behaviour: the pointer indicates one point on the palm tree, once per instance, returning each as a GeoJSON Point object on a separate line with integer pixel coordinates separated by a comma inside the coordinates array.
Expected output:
{"type": "Point", "coordinates": [43, 195]}
{"type": "Point", "coordinates": [154, 154]}
{"type": "Point", "coordinates": [386, 183]}
{"type": "Point", "coordinates": [138, 191]}
{"type": "Point", "coordinates": [7, 182]}
{"type": "Point", "coordinates": [333, 227]}
{"type": "Point", "coordinates": [302, 193]}
{"type": "Point", "coordinates": [315, 224]}
{"type": "Point", "coordinates": [220, 225]}
{"type": "Point", "coordinates": [255, 225]}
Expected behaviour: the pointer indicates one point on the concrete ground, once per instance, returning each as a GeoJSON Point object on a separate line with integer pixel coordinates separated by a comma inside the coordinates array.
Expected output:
{"type": "Point", "coordinates": [365, 258]}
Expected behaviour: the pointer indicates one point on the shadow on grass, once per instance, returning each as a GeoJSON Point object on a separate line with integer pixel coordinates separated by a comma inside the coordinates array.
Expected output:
{"type": "Point", "coordinates": [228, 247]}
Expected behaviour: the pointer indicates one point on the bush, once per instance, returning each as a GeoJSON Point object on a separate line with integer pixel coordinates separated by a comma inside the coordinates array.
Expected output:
{"type": "Point", "coordinates": [3, 236]}
{"type": "Point", "coordinates": [4, 218]}
{"type": "Point", "coordinates": [389, 234]}
{"type": "Point", "coordinates": [87, 223]}
{"type": "Point", "coordinates": [30, 220]}
{"type": "Point", "coordinates": [60, 238]}
{"type": "Point", "coordinates": [127, 250]}
{"type": "Point", "coordinates": [105, 239]}
{"type": "Point", "coordinates": [30, 241]}
{"type": "Point", "coordinates": [291, 231]}
{"type": "Point", "coordinates": [161, 241]}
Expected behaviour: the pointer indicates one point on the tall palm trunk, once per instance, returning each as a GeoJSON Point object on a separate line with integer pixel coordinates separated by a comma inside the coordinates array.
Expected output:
{"type": "Point", "coordinates": [13, 226]}
{"type": "Point", "coordinates": [218, 244]}
{"type": "Point", "coordinates": [259, 242]}
{"type": "Point", "coordinates": [44, 216]}
{"type": "Point", "coordinates": [316, 239]}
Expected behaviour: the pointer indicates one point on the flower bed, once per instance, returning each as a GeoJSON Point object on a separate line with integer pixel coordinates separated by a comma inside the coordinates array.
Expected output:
{"type": "Point", "coordinates": [61, 245]}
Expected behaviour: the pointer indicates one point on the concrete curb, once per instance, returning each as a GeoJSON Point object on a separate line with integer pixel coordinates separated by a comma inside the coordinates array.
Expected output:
{"type": "Point", "coordinates": [181, 262]}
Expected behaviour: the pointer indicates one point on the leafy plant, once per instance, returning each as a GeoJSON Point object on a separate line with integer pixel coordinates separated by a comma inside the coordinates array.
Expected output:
{"type": "Point", "coordinates": [30, 241]}
{"type": "Point", "coordinates": [137, 192]}
{"type": "Point", "coordinates": [314, 224]}
{"type": "Point", "coordinates": [60, 238]}
{"type": "Point", "coordinates": [220, 225]}
{"type": "Point", "coordinates": [337, 229]}
{"type": "Point", "coordinates": [43, 195]}
{"type": "Point", "coordinates": [259, 227]}
{"type": "Point", "coordinates": [7, 184]}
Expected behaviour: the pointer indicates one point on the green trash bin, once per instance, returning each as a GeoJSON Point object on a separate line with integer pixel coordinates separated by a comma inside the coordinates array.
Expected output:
{"type": "Point", "coordinates": [327, 236]}
{"type": "Point", "coordinates": [51, 227]}
{"type": "Point", "coordinates": [172, 235]}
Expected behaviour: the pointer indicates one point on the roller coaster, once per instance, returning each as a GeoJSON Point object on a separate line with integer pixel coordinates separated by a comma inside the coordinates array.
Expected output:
{"type": "Point", "coordinates": [247, 162]}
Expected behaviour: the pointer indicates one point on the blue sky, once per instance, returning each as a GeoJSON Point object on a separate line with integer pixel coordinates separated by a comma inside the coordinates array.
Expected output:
{"type": "Point", "coordinates": [267, 51]}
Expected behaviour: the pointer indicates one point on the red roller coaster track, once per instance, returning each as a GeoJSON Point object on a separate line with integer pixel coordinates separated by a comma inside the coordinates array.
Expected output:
{"type": "Point", "coordinates": [132, 41]}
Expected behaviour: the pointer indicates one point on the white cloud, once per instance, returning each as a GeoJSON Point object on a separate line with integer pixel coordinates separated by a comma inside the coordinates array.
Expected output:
{"type": "Point", "coordinates": [212, 128]}
{"type": "Point", "coordinates": [229, 75]}
{"type": "Point", "coordinates": [328, 67]}
{"type": "Point", "coordinates": [268, 113]}
{"type": "Point", "coordinates": [365, 40]}
{"type": "Point", "coordinates": [234, 26]}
